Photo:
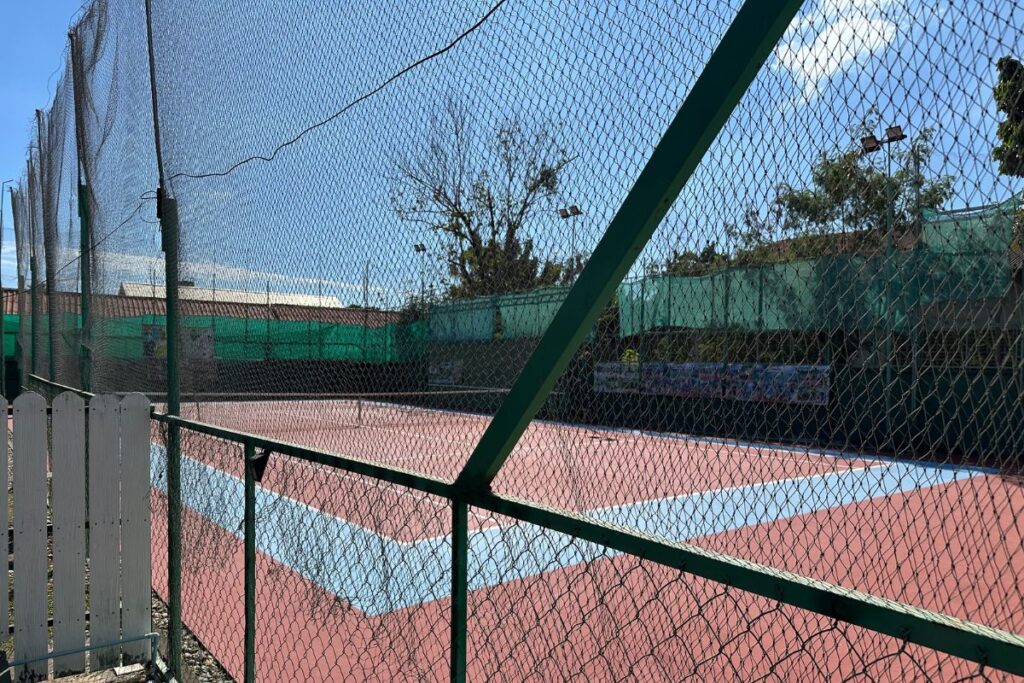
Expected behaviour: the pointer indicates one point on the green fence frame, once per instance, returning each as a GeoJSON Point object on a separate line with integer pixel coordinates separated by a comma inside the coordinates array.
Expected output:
{"type": "Point", "coordinates": [756, 29]}
{"type": "Point", "coordinates": [987, 646]}
{"type": "Point", "coordinates": [975, 642]}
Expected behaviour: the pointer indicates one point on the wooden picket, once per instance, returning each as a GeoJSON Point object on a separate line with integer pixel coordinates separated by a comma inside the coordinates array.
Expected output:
{"type": "Point", "coordinates": [29, 472]}
{"type": "Point", "coordinates": [104, 558]}
{"type": "Point", "coordinates": [4, 483]}
{"type": "Point", "coordinates": [116, 464]}
{"type": "Point", "coordinates": [68, 446]}
{"type": "Point", "coordinates": [136, 603]}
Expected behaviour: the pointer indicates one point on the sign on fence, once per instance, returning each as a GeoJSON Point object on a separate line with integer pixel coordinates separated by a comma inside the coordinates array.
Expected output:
{"type": "Point", "coordinates": [760, 382]}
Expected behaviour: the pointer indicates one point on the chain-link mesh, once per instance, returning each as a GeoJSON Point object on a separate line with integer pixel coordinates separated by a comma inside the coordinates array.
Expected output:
{"type": "Point", "coordinates": [815, 364]}
{"type": "Point", "coordinates": [595, 615]}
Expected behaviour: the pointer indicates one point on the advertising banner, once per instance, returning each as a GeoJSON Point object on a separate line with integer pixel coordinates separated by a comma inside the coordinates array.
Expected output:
{"type": "Point", "coordinates": [760, 382]}
{"type": "Point", "coordinates": [617, 378]}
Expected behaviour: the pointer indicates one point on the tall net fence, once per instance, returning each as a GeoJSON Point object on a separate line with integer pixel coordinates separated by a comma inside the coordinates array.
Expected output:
{"type": "Point", "coordinates": [810, 366]}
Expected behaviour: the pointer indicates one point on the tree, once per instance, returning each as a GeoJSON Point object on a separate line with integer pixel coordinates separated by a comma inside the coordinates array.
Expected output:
{"type": "Point", "coordinates": [849, 194]}
{"type": "Point", "coordinates": [688, 262]}
{"type": "Point", "coordinates": [846, 208]}
{"type": "Point", "coordinates": [1009, 97]}
{"type": "Point", "coordinates": [481, 195]}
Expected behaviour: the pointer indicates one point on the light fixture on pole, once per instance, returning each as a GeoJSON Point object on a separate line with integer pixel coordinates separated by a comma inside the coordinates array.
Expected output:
{"type": "Point", "coordinates": [421, 248]}
{"type": "Point", "coordinates": [871, 144]}
{"type": "Point", "coordinates": [570, 212]}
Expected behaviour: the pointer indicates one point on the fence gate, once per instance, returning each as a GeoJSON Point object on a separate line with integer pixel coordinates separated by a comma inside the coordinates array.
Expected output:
{"type": "Point", "coordinates": [98, 500]}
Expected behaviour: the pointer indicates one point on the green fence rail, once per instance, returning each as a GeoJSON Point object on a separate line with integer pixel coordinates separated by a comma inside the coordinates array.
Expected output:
{"type": "Point", "coordinates": [989, 647]}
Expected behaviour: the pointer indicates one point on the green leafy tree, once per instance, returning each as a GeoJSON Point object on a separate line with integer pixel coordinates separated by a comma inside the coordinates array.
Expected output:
{"type": "Point", "coordinates": [1009, 97]}
{"type": "Point", "coordinates": [853, 193]}
{"type": "Point", "coordinates": [1009, 153]}
{"type": "Point", "coordinates": [481, 193]}
{"type": "Point", "coordinates": [688, 262]}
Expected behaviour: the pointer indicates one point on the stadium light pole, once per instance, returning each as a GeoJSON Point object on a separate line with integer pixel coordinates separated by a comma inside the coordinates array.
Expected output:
{"type": "Point", "coordinates": [565, 213]}
{"type": "Point", "coordinates": [421, 249]}
{"type": "Point", "coordinates": [3, 298]}
{"type": "Point", "coordinates": [871, 144]}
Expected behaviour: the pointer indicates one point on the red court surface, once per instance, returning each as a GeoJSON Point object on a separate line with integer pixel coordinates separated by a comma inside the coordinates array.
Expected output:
{"type": "Point", "coordinates": [951, 544]}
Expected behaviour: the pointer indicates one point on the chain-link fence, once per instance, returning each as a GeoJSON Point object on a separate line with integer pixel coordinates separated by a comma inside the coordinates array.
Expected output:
{"type": "Point", "coordinates": [638, 340]}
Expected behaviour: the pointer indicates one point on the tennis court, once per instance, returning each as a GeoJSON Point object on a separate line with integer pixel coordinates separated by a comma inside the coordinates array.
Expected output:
{"type": "Point", "coordinates": [318, 529]}
{"type": "Point", "coordinates": [550, 340]}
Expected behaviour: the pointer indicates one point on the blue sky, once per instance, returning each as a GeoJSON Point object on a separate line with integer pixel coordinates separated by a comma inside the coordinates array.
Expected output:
{"type": "Point", "coordinates": [31, 52]}
{"type": "Point", "coordinates": [604, 77]}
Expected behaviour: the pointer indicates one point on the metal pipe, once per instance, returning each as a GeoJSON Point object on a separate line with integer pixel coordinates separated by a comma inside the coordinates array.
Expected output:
{"type": "Point", "coordinates": [167, 213]}
{"type": "Point", "coordinates": [460, 589]}
{"type": "Point", "coordinates": [249, 645]}
{"type": "Point", "coordinates": [34, 268]}
{"type": "Point", "coordinates": [85, 238]}
{"type": "Point", "coordinates": [49, 247]}
{"type": "Point", "coordinates": [747, 43]}
{"type": "Point", "coordinates": [3, 299]}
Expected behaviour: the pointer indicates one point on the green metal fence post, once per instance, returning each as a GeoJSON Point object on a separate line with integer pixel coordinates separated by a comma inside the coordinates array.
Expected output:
{"type": "Point", "coordinates": [3, 298]}
{"type": "Point", "coordinates": [33, 264]}
{"type": "Point", "coordinates": [460, 589]}
{"type": "Point", "coordinates": [754, 32]}
{"type": "Point", "coordinates": [169, 224]}
{"type": "Point", "coordinates": [85, 241]}
{"type": "Point", "coordinates": [167, 213]}
{"type": "Point", "coordinates": [85, 336]}
{"type": "Point", "coordinates": [250, 562]}
{"type": "Point", "coordinates": [49, 257]}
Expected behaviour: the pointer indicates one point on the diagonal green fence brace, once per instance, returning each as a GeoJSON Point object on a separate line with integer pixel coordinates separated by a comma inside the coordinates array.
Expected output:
{"type": "Point", "coordinates": [756, 29]}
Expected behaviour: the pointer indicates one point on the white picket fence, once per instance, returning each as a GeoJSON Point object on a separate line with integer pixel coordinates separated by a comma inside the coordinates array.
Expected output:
{"type": "Point", "coordinates": [114, 548]}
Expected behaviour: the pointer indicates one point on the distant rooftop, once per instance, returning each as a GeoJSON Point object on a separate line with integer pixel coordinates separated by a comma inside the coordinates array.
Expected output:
{"type": "Point", "coordinates": [230, 296]}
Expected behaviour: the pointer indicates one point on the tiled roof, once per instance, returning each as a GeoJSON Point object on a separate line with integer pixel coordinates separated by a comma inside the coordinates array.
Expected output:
{"type": "Point", "coordinates": [234, 296]}
{"type": "Point", "coordinates": [120, 306]}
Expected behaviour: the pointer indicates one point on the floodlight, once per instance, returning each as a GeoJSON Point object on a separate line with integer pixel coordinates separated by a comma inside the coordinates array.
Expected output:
{"type": "Point", "coordinates": [870, 143]}
{"type": "Point", "coordinates": [894, 134]}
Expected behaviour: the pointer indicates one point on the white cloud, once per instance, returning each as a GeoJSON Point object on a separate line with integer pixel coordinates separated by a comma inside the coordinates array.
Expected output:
{"type": "Point", "coordinates": [833, 36]}
{"type": "Point", "coordinates": [9, 262]}
{"type": "Point", "coordinates": [120, 267]}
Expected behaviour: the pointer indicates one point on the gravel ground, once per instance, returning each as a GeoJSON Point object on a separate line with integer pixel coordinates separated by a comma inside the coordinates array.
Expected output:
{"type": "Point", "coordinates": [107, 676]}
{"type": "Point", "coordinates": [200, 665]}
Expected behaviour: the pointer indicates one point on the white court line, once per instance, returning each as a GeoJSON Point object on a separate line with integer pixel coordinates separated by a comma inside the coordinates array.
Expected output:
{"type": "Point", "coordinates": [752, 485]}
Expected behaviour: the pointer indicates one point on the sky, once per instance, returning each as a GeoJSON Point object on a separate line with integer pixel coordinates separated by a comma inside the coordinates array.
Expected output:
{"type": "Point", "coordinates": [32, 40]}
{"type": "Point", "coordinates": [604, 78]}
